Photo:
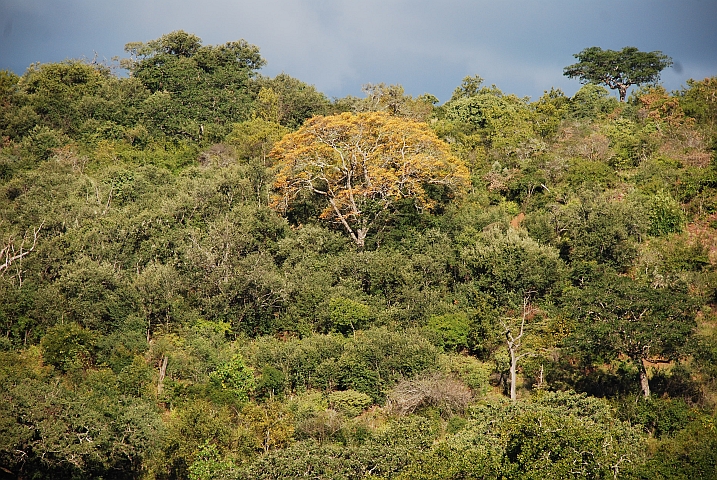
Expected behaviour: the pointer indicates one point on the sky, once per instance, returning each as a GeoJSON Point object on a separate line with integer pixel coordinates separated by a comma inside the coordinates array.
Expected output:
{"type": "Point", "coordinates": [426, 46]}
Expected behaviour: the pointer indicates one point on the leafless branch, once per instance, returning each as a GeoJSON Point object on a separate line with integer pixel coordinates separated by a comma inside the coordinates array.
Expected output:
{"type": "Point", "coordinates": [11, 252]}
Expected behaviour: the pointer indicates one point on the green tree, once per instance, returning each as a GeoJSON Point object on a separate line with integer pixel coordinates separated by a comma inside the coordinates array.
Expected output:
{"type": "Point", "coordinates": [392, 99]}
{"type": "Point", "coordinates": [505, 123]}
{"type": "Point", "coordinates": [699, 100]}
{"type": "Point", "coordinates": [349, 402]}
{"type": "Point", "coordinates": [550, 109]}
{"type": "Point", "coordinates": [691, 453]}
{"type": "Point", "coordinates": [451, 330]}
{"type": "Point", "coordinates": [208, 464]}
{"type": "Point", "coordinates": [53, 429]}
{"type": "Point", "coordinates": [346, 315]}
{"type": "Point", "coordinates": [190, 428]}
{"type": "Point", "coordinates": [665, 214]}
{"type": "Point", "coordinates": [8, 86]}
{"type": "Point", "coordinates": [381, 454]}
{"type": "Point", "coordinates": [252, 141]}
{"type": "Point", "coordinates": [68, 347]}
{"type": "Point", "coordinates": [271, 424]}
{"type": "Point", "coordinates": [296, 101]}
{"type": "Point", "coordinates": [550, 436]}
{"type": "Point", "coordinates": [158, 290]}
{"type": "Point", "coordinates": [600, 229]}
{"type": "Point", "coordinates": [510, 266]}
{"type": "Point", "coordinates": [195, 88]}
{"type": "Point", "coordinates": [615, 315]}
{"type": "Point", "coordinates": [591, 101]}
{"type": "Point", "coordinates": [469, 87]}
{"type": "Point", "coordinates": [563, 437]}
{"type": "Point", "coordinates": [618, 69]}
{"type": "Point", "coordinates": [55, 92]}
{"type": "Point", "coordinates": [10, 105]}
{"type": "Point", "coordinates": [379, 358]}
{"type": "Point", "coordinates": [237, 280]}
{"type": "Point", "coordinates": [92, 294]}
{"type": "Point", "coordinates": [234, 378]}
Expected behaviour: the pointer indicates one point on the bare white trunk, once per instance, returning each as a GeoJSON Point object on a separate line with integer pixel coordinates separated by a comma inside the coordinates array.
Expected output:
{"type": "Point", "coordinates": [359, 235]}
{"type": "Point", "coordinates": [11, 252]}
{"type": "Point", "coordinates": [513, 375]}
{"type": "Point", "coordinates": [541, 379]}
{"type": "Point", "coordinates": [515, 344]}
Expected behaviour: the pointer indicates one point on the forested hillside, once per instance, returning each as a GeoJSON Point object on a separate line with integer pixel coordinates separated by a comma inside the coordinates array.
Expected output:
{"type": "Point", "coordinates": [207, 273]}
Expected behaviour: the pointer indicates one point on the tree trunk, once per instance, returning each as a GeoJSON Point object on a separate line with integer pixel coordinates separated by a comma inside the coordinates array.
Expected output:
{"type": "Point", "coordinates": [514, 345]}
{"type": "Point", "coordinates": [162, 373]}
{"type": "Point", "coordinates": [644, 382]}
{"type": "Point", "coordinates": [623, 91]}
{"type": "Point", "coordinates": [361, 237]}
{"type": "Point", "coordinates": [513, 375]}
{"type": "Point", "coordinates": [541, 378]}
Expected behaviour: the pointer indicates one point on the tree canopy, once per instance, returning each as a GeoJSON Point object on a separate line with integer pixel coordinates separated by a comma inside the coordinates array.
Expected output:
{"type": "Point", "coordinates": [194, 86]}
{"type": "Point", "coordinates": [618, 316]}
{"type": "Point", "coordinates": [363, 164]}
{"type": "Point", "coordinates": [618, 69]}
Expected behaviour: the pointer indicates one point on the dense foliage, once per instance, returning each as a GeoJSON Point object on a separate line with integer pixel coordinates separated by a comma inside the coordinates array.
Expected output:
{"type": "Point", "coordinates": [618, 70]}
{"type": "Point", "coordinates": [162, 317]}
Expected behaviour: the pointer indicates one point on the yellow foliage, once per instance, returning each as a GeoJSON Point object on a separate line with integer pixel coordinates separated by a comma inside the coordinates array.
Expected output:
{"type": "Point", "coordinates": [267, 107]}
{"type": "Point", "coordinates": [362, 164]}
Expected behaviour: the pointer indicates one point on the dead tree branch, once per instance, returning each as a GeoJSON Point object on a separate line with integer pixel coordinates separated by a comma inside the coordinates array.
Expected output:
{"type": "Point", "coordinates": [11, 252]}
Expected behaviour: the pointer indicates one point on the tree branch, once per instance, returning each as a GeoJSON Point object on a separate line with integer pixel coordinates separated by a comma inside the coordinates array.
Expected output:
{"type": "Point", "coordinates": [11, 253]}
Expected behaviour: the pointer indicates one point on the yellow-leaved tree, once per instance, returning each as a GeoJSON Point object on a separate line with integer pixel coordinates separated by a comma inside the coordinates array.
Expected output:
{"type": "Point", "coordinates": [362, 165]}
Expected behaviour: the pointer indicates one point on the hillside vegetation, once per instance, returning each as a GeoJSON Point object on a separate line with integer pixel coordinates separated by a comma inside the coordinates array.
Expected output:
{"type": "Point", "coordinates": [209, 273]}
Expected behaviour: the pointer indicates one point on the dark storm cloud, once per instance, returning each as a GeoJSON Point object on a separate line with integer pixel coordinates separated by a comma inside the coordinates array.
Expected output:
{"type": "Point", "coordinates": [427, 46]}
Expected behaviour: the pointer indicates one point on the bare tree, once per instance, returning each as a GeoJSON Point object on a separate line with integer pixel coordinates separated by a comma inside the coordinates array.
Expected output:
{"type": "Point", "coordinates": [11, 252]}
{"type": "Point", "coordinates": [448, 394]}
{"type": "Point", "coordinates": [514, 338]}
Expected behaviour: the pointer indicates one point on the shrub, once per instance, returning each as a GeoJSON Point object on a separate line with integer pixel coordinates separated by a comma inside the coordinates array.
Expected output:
{"type": "Point", "coordinates": [68, 347]}
{"type": "Point", "coordinates": [41, 142]}
{"type": "Point", "coordinates": [320, 426]}
{"type": "Point", "coordinates": [349, 402]}
{"type": "Point", "coordinates": [452, 330]}
{"type": "Point", "coordinates": [234, 379]}
{"type": "Point", "coordinates": [433, 390]}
